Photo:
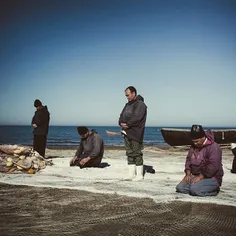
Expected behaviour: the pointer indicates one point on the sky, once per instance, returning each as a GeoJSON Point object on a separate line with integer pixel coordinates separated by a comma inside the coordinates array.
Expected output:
{"type": "Point", "coordinates": [78, 57]}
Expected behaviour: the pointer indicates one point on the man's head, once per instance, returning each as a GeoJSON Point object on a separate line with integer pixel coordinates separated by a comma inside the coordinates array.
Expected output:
{"type": "Point", "coordinates": [37, 103]}
{"type": "Point", "coordinates": [197, 135]}
{"type": "Point", "coordinates": [131, 93]}
{"type": "Point", "coordinates": [83, 132]}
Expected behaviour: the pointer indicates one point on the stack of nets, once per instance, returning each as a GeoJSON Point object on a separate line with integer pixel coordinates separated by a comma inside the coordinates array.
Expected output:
{"type": "Point", "coordinates": [16, 158]}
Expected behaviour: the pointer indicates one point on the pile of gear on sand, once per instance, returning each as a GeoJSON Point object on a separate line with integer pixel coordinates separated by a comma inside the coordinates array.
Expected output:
{"type": "Point", "coordinates": [17, 158]}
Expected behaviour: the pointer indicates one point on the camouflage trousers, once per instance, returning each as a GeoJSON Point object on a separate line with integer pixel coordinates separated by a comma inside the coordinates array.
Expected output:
{"type": "Point", "coordinates": [134, 152]}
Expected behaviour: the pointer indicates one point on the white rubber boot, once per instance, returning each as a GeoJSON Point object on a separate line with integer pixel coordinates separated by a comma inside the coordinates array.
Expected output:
{"type": "Point", "coordinates": [139, 172]}
{"type": "Point", "coordinates": [132, 172]}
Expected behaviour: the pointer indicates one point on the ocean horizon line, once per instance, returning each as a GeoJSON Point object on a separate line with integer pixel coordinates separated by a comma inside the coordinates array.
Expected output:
{"type": "Point", "coordinates": [67, 135]}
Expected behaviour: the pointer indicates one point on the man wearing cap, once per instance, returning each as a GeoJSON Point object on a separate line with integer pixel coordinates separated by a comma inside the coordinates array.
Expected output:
{"type": "Point", "coordinates": [203, 166]}
{"type": "Point", "coordinates": [40, 123]}
{"type": "Point", "coordinates": [91, 149]}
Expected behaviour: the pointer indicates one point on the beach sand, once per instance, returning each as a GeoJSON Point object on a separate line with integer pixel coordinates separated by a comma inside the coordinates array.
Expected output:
{"type": "Point", "coordinates": [96, 201]}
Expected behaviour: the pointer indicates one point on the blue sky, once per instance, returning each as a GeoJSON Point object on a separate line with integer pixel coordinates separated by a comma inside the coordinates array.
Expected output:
{"type": "Point", "coordinates": [77, 57]}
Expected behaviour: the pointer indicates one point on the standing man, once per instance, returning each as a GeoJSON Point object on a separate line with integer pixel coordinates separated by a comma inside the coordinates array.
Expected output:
{"type": "Point", "coordinates": [233, 148]}
{"type": "Point", "coordinates": [132, 120]}
{"type": "Point", "coordinates": [203, 166]}
{"type": "Point", "coordinates": [40, 122]}
{"type": "Point", "coordinates": [91, 149]}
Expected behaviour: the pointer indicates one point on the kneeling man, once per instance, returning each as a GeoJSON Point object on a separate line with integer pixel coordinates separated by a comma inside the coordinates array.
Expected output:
{"type": "Point", "coordinates": [91, 149]}
{"type": "Point", "coordinates": [203, 166]}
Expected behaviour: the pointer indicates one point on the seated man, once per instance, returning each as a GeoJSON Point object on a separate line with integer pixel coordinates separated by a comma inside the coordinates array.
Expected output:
{"type": "Point", "coordinates": [203, 166]}
{"type": "Point", "coordinates": [233, 147]}
{"type": "Point", "coordinates": [91, 149]}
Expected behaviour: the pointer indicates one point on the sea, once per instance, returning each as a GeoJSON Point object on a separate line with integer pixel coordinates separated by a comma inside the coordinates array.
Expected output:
{"type": "Point", "coordinates": [67, 136]}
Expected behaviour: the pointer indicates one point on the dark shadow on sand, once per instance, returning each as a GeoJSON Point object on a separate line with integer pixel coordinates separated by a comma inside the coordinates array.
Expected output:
{"type": "Point", "coordinates": [148, 169]}
{"type": "Point", "coordinates": [104, 165]}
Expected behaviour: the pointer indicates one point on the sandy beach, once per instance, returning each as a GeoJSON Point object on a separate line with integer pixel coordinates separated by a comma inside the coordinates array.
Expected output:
{"type": "Point", "coordinates": [84, 194]}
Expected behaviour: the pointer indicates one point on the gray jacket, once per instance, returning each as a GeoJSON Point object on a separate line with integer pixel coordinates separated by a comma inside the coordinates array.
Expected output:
{"type": "Point", "coordinates": [134, 115]}
{"type": "Point", "coordinates": [93, 146]}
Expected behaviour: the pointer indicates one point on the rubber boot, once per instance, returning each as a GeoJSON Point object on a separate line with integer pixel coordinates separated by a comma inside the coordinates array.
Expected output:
{"type": "Point", "coordinates": [132, 172]}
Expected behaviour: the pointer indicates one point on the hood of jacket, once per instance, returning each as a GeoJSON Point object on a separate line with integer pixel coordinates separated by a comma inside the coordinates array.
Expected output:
{"type": "Point", "coordinates": [44, 109]}
{"type": "Point", "coordinates": [139, 97]}
{"type": "Point", "coordinates": [210, 138]}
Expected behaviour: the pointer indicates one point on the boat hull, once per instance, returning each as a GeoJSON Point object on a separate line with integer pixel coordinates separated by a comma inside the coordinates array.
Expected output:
{"type": "Point", "coordinates": [181, 137]}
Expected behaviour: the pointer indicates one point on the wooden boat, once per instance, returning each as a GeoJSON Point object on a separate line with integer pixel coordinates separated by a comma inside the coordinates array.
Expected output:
{"type": "Point", "coordinates": [181, 137]}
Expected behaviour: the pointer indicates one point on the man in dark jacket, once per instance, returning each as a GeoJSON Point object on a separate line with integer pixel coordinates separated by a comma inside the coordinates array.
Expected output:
{"type": "Point", "coordinates": [203, 166]}
{"type": "Point", "coordinates": [233, 148]}
{"type": "Point", "coordinates": [40, 122]}
{"type": "Point", "coordinates": [132, 121]}
{"type": "Point", "coordinates": [91, 149]}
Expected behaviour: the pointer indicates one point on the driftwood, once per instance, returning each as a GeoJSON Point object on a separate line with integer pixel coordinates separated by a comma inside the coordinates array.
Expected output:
{"type": "Point", "coordinates": [122, 132]}
{"type": "Point", "coordinates": [112, 132]}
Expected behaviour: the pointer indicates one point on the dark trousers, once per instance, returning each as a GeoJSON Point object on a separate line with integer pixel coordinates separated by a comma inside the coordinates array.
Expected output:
{"type": "Point", "coordinates": [91, 163]}
{"type": "Point", "coordinates": [204, 187]}
{"type": "Point", "coordinates": [134, 152]}
{"type": "Point", "coordinates": [40, 144]}
{"type": "Point", "coordinates": [234, 161]}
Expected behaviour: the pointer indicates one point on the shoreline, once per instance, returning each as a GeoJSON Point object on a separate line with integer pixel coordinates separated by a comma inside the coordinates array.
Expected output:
{"type": "Point", "coordinates": [113, 147]}
{"type": "Point", "coordinates": [106, 147]}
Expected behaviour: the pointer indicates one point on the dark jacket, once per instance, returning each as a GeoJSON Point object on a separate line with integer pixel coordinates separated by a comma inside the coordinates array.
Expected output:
{"type": "Point", "coordinates": [134, 115]}
{"type": "Point", "coordinates": [93, 146]}
{"type": "Point", "coordinates": [41, 119]}
{"type": "Point", "coordinates": [206, 160]}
